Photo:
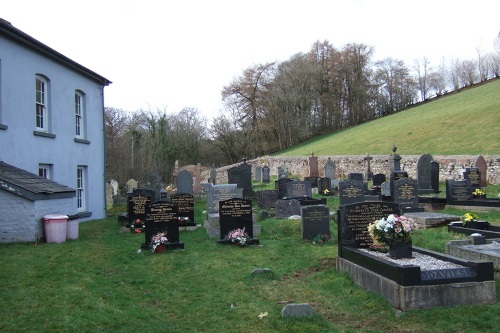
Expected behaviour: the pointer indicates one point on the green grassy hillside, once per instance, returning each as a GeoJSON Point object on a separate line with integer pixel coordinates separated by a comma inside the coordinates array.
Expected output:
{"type": "Point", "coordinates": [459, 124]}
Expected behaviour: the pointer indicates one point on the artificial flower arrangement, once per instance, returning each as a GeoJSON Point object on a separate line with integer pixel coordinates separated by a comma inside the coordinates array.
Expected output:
{"type": "Point", "coordinates": [321, 239]}
{"type": "Point", "coordinates": [136, 226]}
{"type": "Point", "coordinates": [183, 220]}
{"type": "Point", "coordinates": [468, 217]}
{"type": "Point", "coordinates": [478, 192]}
{"type": "Point", "coordinates": [158, 239]}
{"type": "Point", "coordinates": [238, 236]}
{"type": "Point", "coordinates": [392, 227]}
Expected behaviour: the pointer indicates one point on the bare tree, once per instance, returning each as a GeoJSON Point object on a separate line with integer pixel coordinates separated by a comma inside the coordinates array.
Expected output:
{"type": "Point", "coordinates": [423, 69]}
{"type": "Point", "coordinates": [437, 79]}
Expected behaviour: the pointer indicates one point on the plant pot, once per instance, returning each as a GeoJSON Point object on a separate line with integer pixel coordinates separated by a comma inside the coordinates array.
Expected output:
{"type": "Point", "coordinates": [399, 249]}
{"type": "Point", "coordinates": [160, 248]}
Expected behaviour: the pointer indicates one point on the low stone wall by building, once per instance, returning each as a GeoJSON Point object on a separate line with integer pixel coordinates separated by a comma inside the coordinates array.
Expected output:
{"type": "Point", "coordinates": [450, 166]}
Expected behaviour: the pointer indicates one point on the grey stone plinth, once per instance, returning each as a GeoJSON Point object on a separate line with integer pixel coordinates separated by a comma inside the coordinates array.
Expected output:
{"type": "Point", "coordinates": [470, 251]}
{"type": "Point", "coordinates": [297, 310]}
{"type": "Point", "coordinates": [430, 220]}
{"type": "Point", "coordinates": [423, 296]}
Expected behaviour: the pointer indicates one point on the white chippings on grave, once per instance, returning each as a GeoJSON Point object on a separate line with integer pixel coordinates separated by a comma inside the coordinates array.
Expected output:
{"type": "Point", "coordinates": [424, 261]}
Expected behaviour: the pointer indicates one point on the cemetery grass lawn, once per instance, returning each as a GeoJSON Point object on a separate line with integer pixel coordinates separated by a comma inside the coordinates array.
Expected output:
{"type": "Point", "coordinates": [457, 124]}
{"type": "Point", "coordinates": [101, 283]}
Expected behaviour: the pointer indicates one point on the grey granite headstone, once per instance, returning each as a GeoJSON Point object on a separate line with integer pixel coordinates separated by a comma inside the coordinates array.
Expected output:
{"type": "Point", "coordinates": [385, 189]}
{"type": "Point", "coordinates": [329, 168]}
{"type": "Point", "coordinates": [184, 182]}
{"type": "Point", "coordinates": [267, 198]}
{"type": "Point", "coordinates": [282, 171]}
{"type": "Point", "coordinates": [298, 189]}
{"type": "Point", "coordinates": [213, 176]}
{"type": "Point", "coordinates": [258, 173]}
{"type": "Point", "coordinates": [218, 193]}
{"type": "Point", "coordinates": [266, 177]}
{"type": "Point", "coordinates": [287, 208]}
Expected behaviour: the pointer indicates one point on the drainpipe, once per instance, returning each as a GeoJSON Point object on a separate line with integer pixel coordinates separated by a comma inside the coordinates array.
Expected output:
{"type": "Point", "coordinates": [104, 150]}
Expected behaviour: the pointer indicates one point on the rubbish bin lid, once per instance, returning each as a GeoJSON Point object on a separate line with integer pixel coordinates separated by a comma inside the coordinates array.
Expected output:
{"type": "Point", "coordinates": [55, 217]}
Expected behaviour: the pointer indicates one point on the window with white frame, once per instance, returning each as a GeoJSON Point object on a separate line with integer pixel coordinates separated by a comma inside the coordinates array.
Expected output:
{"type": "Point", "coordinates": [41, 104]}
{"type": "Point", "coordinates": [79, 115]}
{"type": "Point", "coordinates": [80, 188]}
{"type": "Point", "coordinates": [45, 171]}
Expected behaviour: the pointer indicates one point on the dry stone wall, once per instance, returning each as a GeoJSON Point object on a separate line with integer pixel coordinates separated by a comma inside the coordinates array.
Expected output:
{"type": "Point", "coordinates": [450, 166]}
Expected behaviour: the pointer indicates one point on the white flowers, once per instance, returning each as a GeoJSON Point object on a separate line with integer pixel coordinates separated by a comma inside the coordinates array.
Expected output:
{"type": "Point", "coordinates": [392, 227]}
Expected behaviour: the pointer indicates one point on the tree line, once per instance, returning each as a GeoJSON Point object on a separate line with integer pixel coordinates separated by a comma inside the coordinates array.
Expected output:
{"type": "Point", "coordinates": [274, 106]}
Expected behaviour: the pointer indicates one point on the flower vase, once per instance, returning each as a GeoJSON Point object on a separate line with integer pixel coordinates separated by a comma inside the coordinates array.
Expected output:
{"type": "Point", "coordinates": [160, 248]}
{"type": "Point", "coordinates": [399, 249]}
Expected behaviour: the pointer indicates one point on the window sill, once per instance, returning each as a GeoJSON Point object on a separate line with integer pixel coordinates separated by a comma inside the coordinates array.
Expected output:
{"type": "Point", "coordinates": [84, 214]}
{"type": "Point", "coordinates": [87, 142]}
{"type": "Point", "coordinates": [44, 134]}
{"type": "Point", "coordinates": [3, 127]}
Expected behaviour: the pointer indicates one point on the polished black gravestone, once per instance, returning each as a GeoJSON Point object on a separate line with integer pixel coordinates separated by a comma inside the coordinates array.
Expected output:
{"type": "Point", "coordinates": [281, 187]}
{"type": "Point", "coordinates": [298, 189]}
{"type": "Point", "coordinates": [185, 204]}
{"type": "Point", "coordinates": [162, 216]}
{"type": "Point", "coordinates": [241, 176]}
{"type": "Point", "coordinates": [315, 221]}
{"type": "Point", "coordinates": [136, 203]}
{"type": "Point", "coordinates": [474, 176]}
{"type": "Point", "coordinates": [236, 214]}
{"type": "Point", "coordinates": [458, 192]}
{"type": "Point", "coordinates": [406, 194]}
{"type": "Point", "coordinates": [351, 191]}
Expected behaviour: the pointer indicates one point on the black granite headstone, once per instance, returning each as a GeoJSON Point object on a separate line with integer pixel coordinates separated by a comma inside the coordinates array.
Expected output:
{"type": "Point", "coordinates": [185, 204]}
{"type": "Point", "coordinates": [406, 193]}
{"type": "Point", "coordinates": [280, 186]}
{"type": "Point", "coordinates": [241, 176]}
{"type": "Point", "coordinates": [315, 220]}
{"type": "Point", "coordinates": [474, 175]}
{"type": "Point", "coordinates": [424, 173]}
{"type": "Point", "coordinates": [162, 216]}
{"type": "Point", "coordinates": [218, 193]}
{"type": "Point", "coordinates": [356, 176]}
{"type": "Point", "coordinates": [458, 191]}
{"type": "Point", "coordinates": [235, 214]}
{"type": "Point", "coordinates": [136, 203]}
{"type": "Point", "coordinates": [355, 218]}
{"type": "Point", "coordinates": [351, 191]}
{"type": "Point", "coordinates": [184, 182]}
{"type": "Point", "coordinates": [325, 186]}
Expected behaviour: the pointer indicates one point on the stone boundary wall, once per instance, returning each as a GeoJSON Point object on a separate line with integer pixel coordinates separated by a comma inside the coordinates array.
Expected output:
{"type": "Point", "coordinates": [450, 166]}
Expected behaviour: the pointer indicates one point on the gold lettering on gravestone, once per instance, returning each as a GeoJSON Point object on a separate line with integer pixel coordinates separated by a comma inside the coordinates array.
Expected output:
{"type": "Point", "coordinates": [406, 192]}
{"type": "Point", "coordinates": [359, 217]}
{"type": "Point", "coordinates": [298, 189]}
{"type": "Point", "coordinates": [474, 177]}
{"type": "Point", "coordinates": [162, 213]}
{"type": "Point", "coordinates": [184, 202]}
{"type": "Point", "coordinates": [139, 204]}
{"type": "Point", "coordinates": [236, 209]}
{"type": "Point", "coordinates": [352, 192]}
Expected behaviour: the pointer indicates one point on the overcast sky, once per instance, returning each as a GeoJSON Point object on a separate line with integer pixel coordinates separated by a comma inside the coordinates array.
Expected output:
{"type": "Point", "coordinates": [163, 54]}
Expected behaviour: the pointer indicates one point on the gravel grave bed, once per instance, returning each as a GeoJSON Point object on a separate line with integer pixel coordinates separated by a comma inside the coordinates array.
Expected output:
{"type": "Point", "coordinates": [425, 262]}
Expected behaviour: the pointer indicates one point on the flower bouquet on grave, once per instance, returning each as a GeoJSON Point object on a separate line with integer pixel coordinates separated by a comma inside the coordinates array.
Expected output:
{"type": "Point", "coordinates": [159, 240]}
{"type": "Point", "coordinates": [184, 221]}
{"type": "Point", "coordinates": [396, 231]}
{"type": "Point", "coordinates": [237, 236]}
{"type": "Point", "coordinates": [478, 193]}
{"type": "Point", "coordinates": [468, 217]}
{"type": "Point", "coordinates": [136, 226]}
{"type": "Point", "coordinates": [321, 239]}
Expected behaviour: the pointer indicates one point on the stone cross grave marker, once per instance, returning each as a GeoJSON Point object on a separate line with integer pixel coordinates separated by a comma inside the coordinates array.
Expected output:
{"type": "Point", "coordinates": [315, 220]}
{"type": "Point", "coordinates": [185, 204]}
{"type": "Point", "coordinates": [351, 191]}
{"type": "Point", "coordinates": [184, 182]}
{"type": "Point", "coordinates": [162, 217]}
